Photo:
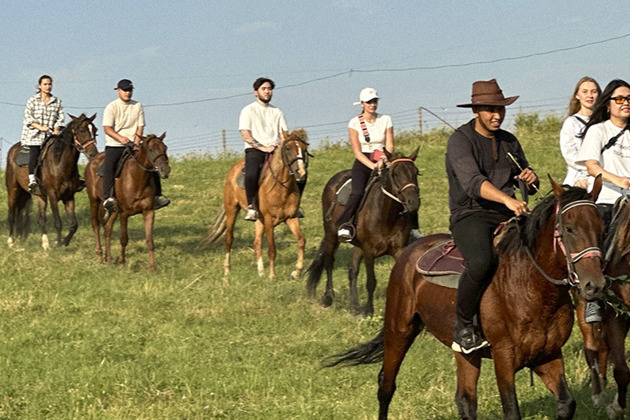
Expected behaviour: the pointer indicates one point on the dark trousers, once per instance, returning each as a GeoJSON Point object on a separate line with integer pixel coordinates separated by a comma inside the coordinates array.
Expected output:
{"type": "Point", "coordinates": [360, 176]}
{"type": "Point", "coordinates": [254, 161]}
{"type": "Point", "coordinates": [112, 156]}
{"type": "Point", "coordinates": [473, 237]}
{"type": "Point", "coordinates": [33, 155]}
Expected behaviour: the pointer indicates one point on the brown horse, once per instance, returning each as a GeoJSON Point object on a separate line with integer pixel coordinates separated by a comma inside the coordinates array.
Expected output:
{"type": "Point", "coordinates": [278, 201]}
{"type": "Point", "coordinates": [382, 226]}
{"type": "Point", "coordinates": [526, 312]}
{"type": "Point", "coordinates": [134, 192]}
{"type": "Point", "coordinates": [606, 339]}
{"type": "Point", "coordinates": [59, 180]}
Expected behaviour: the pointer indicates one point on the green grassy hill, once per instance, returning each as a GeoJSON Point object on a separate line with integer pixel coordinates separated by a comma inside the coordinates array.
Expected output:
{"type": "Point", "coordinates": [81, 339]}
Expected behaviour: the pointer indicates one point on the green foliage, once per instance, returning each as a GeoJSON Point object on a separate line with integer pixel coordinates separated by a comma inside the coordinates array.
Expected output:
{"type": "Point", "coordinates": [80, 339]}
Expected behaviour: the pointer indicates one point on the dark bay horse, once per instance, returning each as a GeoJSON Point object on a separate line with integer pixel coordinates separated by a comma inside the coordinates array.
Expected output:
{"type": "Point", "coordinates": [526, 311]}
{"type": "Point", "coordinates": [278, 201]}
{"type": "Point", "coordinates": [606, 340]}
{"type": "Point", "coordinates": [59, 180]}
{"type": "Point", "coordinates": [382, 227]}
{"type": "Point", "coordinates": [134, 192]}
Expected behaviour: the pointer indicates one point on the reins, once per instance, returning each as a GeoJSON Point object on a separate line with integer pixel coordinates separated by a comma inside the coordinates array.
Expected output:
{"type": "Point", "coordinates": [152, 160]}
{"type": "Point", "coordinates": [287, 163]}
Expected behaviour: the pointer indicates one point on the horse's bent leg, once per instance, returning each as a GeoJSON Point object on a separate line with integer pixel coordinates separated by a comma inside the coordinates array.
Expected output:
{"type": "Point", "coordinates": [72, 221]}
{"type": "Point", "coordinates": [41, 221]}
{"type": "Point", "coordinates": [616, 329]}
{"type": "Point", "coordinates": [149, 218]}
{"type": "Point", "coordinates": [468, 368]}
{"type": "Point", "coordinates": [504, 372]}
{"type": "Point", "coordinates": [124, 239]}
{"type": "Point", "coordinates": [259, 229]}
{"type": "Point", "coordinates": [594, 358]}
{"type": "Point", "coordinates": [294, 225]}
{"type": "Point", "coordinates": [353, 273]}
{"type": "Point", "coordinates": [271, 249]}
{"type": "Point", "coordinates": [552, 375]}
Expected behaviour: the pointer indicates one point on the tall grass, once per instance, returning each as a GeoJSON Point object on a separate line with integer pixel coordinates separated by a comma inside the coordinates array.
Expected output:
{"type": "Point", "coordinates": [81, 339]}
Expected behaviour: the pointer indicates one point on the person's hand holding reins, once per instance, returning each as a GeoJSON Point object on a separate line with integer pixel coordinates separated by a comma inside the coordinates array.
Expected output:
{"type": "Point", "coordinates": [519, 207]}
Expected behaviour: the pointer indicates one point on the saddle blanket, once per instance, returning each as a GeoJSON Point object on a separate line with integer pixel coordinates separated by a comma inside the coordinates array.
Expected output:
{"type": "Point", "coordinates": [442, 264]}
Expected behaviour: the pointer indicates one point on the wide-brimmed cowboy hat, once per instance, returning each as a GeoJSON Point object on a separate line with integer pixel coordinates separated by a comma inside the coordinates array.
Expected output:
{"type": "Point", "coordinates": [488, 93]}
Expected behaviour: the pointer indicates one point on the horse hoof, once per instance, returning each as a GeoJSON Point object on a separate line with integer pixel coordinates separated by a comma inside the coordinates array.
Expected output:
{"type": "Point", "coordinates": [326, 301]}
{"type": "Point", "coordinates": [597, 400]}
{"type": "Point", "coordinates": [295, 275]}
{"type": "Point", "coordinates": [45, 242]}
{"type": "Point", "coordinates": [614, 410]}
{"type": "Point", "coordinates": [10, 242]}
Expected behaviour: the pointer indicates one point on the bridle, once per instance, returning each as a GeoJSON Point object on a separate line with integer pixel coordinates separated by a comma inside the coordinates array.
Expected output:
{"type": "Point", "coordinates": [82, 146]}
{"type": "Point", "coordinates": [572, 278]}
{"type": "Point", "coordinates": [151, 159]}
{"type": "Point", "coordinates": [398, 190]}
{"type": "Point", "coordinates": [288, 162]}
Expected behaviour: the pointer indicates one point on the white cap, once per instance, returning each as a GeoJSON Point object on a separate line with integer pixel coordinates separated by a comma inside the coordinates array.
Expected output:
{"type": "Point", "coordinates": [367, 95]}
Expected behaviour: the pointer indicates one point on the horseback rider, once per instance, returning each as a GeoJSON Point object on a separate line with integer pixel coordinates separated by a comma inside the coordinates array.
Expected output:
{"type": "Point", "coordinates": [123, 120]}
{"type": "Point", "coordinates": [43, 115]}
{"type": "Point", "coordinates": [481, 178]}
{"type": "Point", "coordinates": [370, 133]}
{"type": "Point", "coordinates": [262, 127]}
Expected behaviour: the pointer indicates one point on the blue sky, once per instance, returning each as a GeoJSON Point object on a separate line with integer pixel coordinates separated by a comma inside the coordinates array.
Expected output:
{"type": "Point", "coordinates": [193, 62]}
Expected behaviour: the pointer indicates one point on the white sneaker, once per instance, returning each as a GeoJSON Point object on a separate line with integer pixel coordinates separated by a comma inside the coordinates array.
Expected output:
{"type": "Point", "coordinates": [251, 214]}
{"type": "Point", "coordinates": [344, 234]}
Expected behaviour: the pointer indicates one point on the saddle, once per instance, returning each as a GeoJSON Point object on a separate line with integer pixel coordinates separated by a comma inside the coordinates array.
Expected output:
{"type": "Point", "coordinates": [240, 178]}
{"type": "Point", "coordinates": [23, 155]}
{"type": "Point", "coordinates": [126, 155]}
{"type": "Point", "coordinates": [443, 264]}
{"type": "Point", "coordinates": [342, 194]}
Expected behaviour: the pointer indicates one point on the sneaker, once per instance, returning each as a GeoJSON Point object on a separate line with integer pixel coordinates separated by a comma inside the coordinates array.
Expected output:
{"type": "Point", "coordinates": [467, 340]}
{"type": "Point", "coordinates": [160, 201]}
{"type": "Point", "coordinates": [593, 312]}
{"type": "Point", "coordinates": [414, 235]}
{"type": "Point", "coordinates": [344, 234]}
{"type": "Point", "coordinates": [251, 214]}
{"type": "Point", "coordinates": [33, 187]}
{"type": "Point", "coordinates": [110, 206]}
{"type": "Point", "coordinates": [299, 213]}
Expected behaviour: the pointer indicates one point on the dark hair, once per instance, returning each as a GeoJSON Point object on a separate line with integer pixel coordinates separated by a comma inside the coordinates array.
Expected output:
{"type": "Point", "coordinates": [600, 109]}
{"type": "Point", "coordinates": [574, 103]}
{"type": "Point", "coordinates": [262, 80]}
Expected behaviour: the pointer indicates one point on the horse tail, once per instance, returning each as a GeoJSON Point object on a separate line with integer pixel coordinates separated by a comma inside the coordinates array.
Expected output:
{"type": "Point", "coordinates": [22, 214]}
{"type": "Point", "coordinates": [216, 231]}
{"type": "Point", "coordinates": [315, 270]}
{"type": "Point", "coordinates": [363, 354]}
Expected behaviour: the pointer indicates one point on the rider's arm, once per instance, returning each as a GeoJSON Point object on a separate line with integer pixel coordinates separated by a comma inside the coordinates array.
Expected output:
{"type": "Point", "coordinates": [594, 168]}
{"type": "Point", "coordinates": [109, 130]}
{"type": "Point", "coordinates": [247, 137]}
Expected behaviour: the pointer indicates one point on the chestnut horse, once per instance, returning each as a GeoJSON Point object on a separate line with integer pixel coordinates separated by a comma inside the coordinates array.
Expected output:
{"type": "Point", "coordinates": [134, 191]}
{"type": "Point", "coordinates": [278, 201]}
{"type": "Point", "coordinates": [59, 180]}
{"type": "Point", "coordinates": [606, 339]}
{"type": "Point", "coordinates": [382, 226]}
{"type": "Point", "coordinates": [526, 312]}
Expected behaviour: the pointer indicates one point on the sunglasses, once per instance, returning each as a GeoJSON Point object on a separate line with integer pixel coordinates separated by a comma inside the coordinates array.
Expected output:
{"type": "Point", "coordinates": [620, 99]}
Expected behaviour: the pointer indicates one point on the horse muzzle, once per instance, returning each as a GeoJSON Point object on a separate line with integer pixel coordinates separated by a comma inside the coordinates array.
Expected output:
{"type": "Point", "coordinates": [164, 170]}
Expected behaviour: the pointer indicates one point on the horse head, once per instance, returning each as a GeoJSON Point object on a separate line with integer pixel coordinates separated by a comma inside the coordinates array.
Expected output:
{"type": "Point", "coordinates": [401, 180]}
{"type": "Point", "coordinates": [578, 234]}
{"type": "Point", "coordinates": [294, 151]}
{"type": "Point", "coordinates": [84, 134]}
{"type": "Point", "coordinates": [155, 150]}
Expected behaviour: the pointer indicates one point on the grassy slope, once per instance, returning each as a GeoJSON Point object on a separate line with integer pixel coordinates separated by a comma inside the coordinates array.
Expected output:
{"type": "Point", "coordinates": [86, 340]}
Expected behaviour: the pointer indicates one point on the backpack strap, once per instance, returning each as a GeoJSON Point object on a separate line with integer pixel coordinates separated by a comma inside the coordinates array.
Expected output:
{"type": "Point", "coordinates": [580, 119]}
{"type": "Point", "coordinates": [611, 142]}
{"type": "Point", "coordinates": [366, 133]}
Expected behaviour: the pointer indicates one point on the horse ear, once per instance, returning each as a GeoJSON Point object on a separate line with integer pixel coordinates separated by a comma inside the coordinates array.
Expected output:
{"type": "Point", "coordinates": [92, 117]}
{"type": "Point", "coordinates": [72, 116]}
{"type": "Point", "coordinates": [389, 156]}
{"type": "Point", "coordinates": [414, 155]}
{"type": "Point", "coordinates": [162, 136]}
{"type": "Point", "coordinates": [557, 188]}
{"type": "Point", "coordinates": [597, 187]}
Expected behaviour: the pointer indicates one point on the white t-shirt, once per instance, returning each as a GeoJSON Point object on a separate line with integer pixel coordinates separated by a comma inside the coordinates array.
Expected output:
{"type": "Point", "coordinates": [570, 145]}
{"type": "Point", "coordinates": [124, 118]}
{"type": "Point", "coordinates": [265, 122]}
{"type": "Point", "coordinates": [615, 160]}
{"type": "Point", "coordinates": [377, 131]}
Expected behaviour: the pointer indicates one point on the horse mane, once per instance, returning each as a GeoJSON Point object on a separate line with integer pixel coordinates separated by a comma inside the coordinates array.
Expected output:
{"type": "Point", "coordinates": [527, 233]}
{"type": "Point", "coordinates": [58, 147]}
{"type": "Point", "coordinates": [300, 134]}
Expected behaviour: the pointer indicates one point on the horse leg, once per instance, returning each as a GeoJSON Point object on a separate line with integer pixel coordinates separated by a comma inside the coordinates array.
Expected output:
{"type": "Point", "coordinates": [552, 375]}
{"type": "Point", "coordinates": [294, 225]}
{"type": "Point", "coordinates": [330, 247]}
{"type": "Point", "coordinates": [149, 218]}
{"type": "Point", "coordinates": [594, 358]}
{"type": "Point", "coordinates": [41, 221]}
{"type": "Point", "coordinates": [370, 284]}
{"type": "Point", "coordinates": [353, 272]}
{"type": "Point", "coordinates": [72, 221]}
{"type": "Point", "coordinates": [400, 330]}
{"type": "Point", "coordinates": [616, 329]}
{"type": "Point", "coordinates": [468, 369]}
{"type": "Point", "coordinates": [12, 215]}
{"type": "Point", "coordinates": [271, 248]}
{"type": "Point", "coordinates": [230, 220]}
{"type": "Point", "coordinates": [124, 239]}
{"type": "Point", "coordinates": [107, 231]}
{"type": "Point", "coordinates": [504, 372]}
{"type": "Point", "coordinates": [95, 220]}
{"type": "Point", "coordinates": [54, 208]}
{"type": "Point", "coordinates": [258, 234]}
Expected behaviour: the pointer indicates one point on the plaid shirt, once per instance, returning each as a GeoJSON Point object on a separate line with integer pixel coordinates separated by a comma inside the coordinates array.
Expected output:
{"type": "Point", "coordinates": [36, 111]}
